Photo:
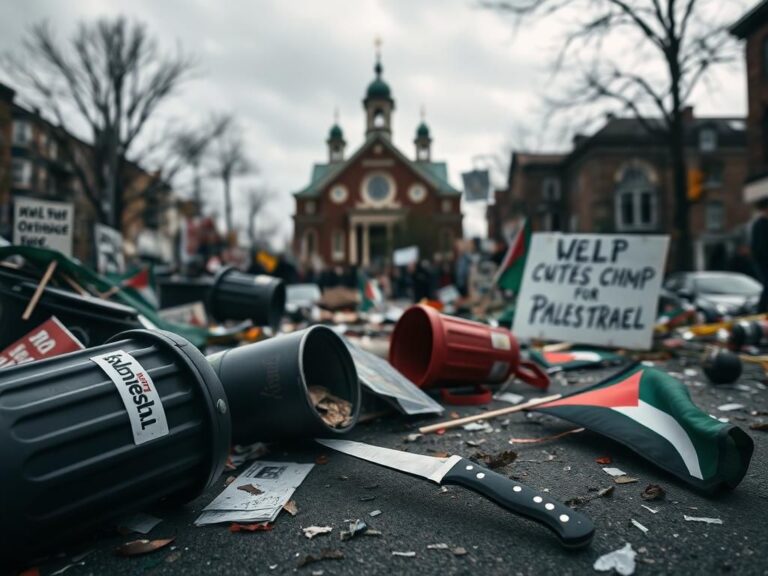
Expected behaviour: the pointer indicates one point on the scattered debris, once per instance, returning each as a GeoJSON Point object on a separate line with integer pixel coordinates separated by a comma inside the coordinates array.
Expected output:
{"type": "Point", "coordinates": [440, 546]}
{"type": "Point", "coordinates": [639, 526]}
{"type": "Point", "coordinates": [509, 397]}
{"type": "Point", "coordinates": [443, 490]}
{"type": "Point", "coordinates": [139, 547]}
{"type": "Point", "coordinates": [335, 411]}
{"type": "Point", "coordinates": [413, 437]}
{"type": "Point", "coordinates": [625, 479]}
{"type": "Point", "coordinates": [478, 427]}
{"type": "Point", "coordinates": [604, 460]}
{"type": "Point", "coordinates": [651, 510]}
{"type": "Point", "coordinates": [374, 513]}
{"type": "Point", "coordinates": [367, 498]}
{"type": "Point", "coordinates": [251, 489]}
{"type": "Point", "coordinates": [140, 522]}
{"type": "Point", "coordinates": [291, 507]}
{"type": "Point", "coordinates": [242, 453]}
{"type": "Point", "coordinates": [475, 443]}
{"type": "Point", "coordinates": [762, 426]}
{"type": "Point", "coordinates": [409, 554]}
{"type": "Point", "coordinates": [253, 527]}
{"type": "Point", "coordinates": [356, 527]}
{"type": "Point", "coordinates": [652, 492]}
{"type": "Point", "coordinates": [325, 554]}
{"type": "Point", "coordinates": [730, 407]}
{"type": "Point", "coordinates": [614, 472]}
{"type": "Point", "coordinates": [372, 532]}
{"type": "Point", "coordinates": [581, 500]}
{"type": "Point", "coordinates": [312, 531]}
{"type": "Point", "coordinates": [546, 438]}
{"type": "Point", "coordinates": [702, 519]}
{"type": "Point", "coordinates": [322, 459]}
{"type": "Point", "coordinates": [494, 461]}
{"type": "Point", "coordinates": [621, 560]}
{"type": "Point", "coordinates": [459, 551]}
{"type": "Point", "coordinates": [440, 454]}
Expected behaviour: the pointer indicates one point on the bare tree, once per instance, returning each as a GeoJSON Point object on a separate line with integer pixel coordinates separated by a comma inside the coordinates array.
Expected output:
{"type": "Point", "coordinates": [642, 56]}
{"type": "Point", "coordinates": [256, 199]}
{"type": "Point", "coordinates": [109, 77]}
{"type": "Point", "coordinates": [230, 160]}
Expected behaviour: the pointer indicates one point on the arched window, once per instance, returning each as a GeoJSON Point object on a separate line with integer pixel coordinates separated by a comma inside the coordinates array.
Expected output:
{"type": "Point", "coordinates": [636, 201]}
{"type": "Point", "coordinates": [309, 244]}
{"type": "Point", "coordinates": [338, 245]}
{"type": "Point", "coordinates": [379, 120]}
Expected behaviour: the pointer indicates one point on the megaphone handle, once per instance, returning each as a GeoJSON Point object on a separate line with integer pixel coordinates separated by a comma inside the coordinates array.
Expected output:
{"type": "Point", "coordinates": [533, 374]}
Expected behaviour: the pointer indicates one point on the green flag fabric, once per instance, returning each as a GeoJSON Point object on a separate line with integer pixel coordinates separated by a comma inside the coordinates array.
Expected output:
{"type": "Point", "coordinates": [510, 273]}
{"type": "Point", "coordinates": [652, 413]}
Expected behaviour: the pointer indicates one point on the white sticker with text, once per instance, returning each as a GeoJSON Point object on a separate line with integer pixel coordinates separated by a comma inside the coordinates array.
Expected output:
{"type": "Point", "coordinates": [141, 400]}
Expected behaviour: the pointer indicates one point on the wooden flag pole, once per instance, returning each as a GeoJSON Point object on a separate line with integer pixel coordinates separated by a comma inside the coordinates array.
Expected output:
{"type": "Point", "coordinates": [487, 415]}
{"type": "Point", "coordinates": [39, 290]}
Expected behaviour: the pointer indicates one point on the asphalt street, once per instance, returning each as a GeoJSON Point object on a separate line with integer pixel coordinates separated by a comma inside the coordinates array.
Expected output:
{"type": "Point", "coordinates": [415, 513]}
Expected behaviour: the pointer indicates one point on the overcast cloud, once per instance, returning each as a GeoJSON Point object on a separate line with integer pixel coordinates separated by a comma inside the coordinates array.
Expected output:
{"type": "Point", "coordinates": [283, 66]}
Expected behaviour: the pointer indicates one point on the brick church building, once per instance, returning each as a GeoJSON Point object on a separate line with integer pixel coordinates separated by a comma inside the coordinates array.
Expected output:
{"type": "Point", "coordinates": [358, 208]}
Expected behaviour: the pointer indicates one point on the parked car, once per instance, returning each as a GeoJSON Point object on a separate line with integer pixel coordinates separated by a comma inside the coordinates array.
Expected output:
{"type": "Point", "coordinates": [716, 295]}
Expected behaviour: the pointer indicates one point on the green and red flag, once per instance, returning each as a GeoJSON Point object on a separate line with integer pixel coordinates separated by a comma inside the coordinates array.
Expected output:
{"type": "Point", "coordinates": [652, 413]}
{"type": "Point", "coordinates": [575, 359]}
{"type": "Point", "coordinates": [370, 294]}
{"type": "Point", "coordinates": [510, 273]}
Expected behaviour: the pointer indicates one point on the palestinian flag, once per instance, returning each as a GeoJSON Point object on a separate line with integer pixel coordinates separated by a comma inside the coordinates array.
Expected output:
{"type": "Point", "coordinates": [370, 295]}
{"type": "Point", "coordinates": [575, 359]}
{"type": "Point", "coordinates": [143, 282]}
{"type": "Point", "coordinates": [652, 413]}
{"type": "Point", "coordinates": [510, 273]}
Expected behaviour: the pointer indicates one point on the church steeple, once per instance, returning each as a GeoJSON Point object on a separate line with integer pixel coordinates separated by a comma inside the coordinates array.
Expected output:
{"type": "Point", "coordinates": [423, 140]}
{"type": "Point", "coordinates": [378, 102]}
{"type": "Point", "coordinates": [336, 142]}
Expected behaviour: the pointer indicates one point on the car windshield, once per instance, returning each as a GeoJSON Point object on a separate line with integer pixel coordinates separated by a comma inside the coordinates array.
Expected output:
{"type": "Point", "coordinates": [736, 284]}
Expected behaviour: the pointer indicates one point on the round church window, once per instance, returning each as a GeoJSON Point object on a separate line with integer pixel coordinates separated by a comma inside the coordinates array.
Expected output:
{"type": "Point", "coordinates": [378, 188]}
{"type": "Point", "coordinates": [417, 193]}
{"type": "Point", "coordinates": [339, 194]}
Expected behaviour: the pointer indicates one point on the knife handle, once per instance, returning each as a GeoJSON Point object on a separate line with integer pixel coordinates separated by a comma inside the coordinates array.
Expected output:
{"type": "Point", "coordinates": [575, 530]}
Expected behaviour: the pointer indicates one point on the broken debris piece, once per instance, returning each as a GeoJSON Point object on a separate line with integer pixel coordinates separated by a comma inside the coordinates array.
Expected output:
{"type": "Point", "coordinates": [251, 489]}
{"type": "Point", "coordinates": [356, 527]}
{"type": "Point", "coordinates": [625, 479]}
{"type": "Point", "coordinates": [374, 513]}
{"type": "Point", "coordinates": [312, 531]}
{"type": "Point", "coordinates": [639, 526]}
{"type": "Point", "coordinates": [291, 507]}
{"type": "Point", "coordinates": [494, 461]}
{"type": "Point", "coordinates": [702, 519]}
{"type": "Point", "coordinates": [652, 492]}
{"type": "Point", "coordinates": [621, 560]}
{"type": "Point", "coordinates": [439, 546]}
{"type": "Point", "coordinates": [252, 527]}
{"type": "Point", "coordinates": [140, 522]}
{"type": "Point", "coordinates": [409, 554]}
{"type": "Point", "coordinates": [335, 411]}
{"type": "Point", "coordinates": [459, 551]}
{"type": "Point", "coordinates": [139, 547]}
{"type": "Point", "coordinates": [325, 554]}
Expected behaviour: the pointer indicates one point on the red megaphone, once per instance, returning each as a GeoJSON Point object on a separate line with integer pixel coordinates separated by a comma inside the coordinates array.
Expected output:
{"type": "Point", "coordinates": [431, 349]}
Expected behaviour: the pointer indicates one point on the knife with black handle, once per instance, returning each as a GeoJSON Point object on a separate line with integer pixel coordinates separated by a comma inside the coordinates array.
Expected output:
{"type": "Point", "coordinates": [573, 529]}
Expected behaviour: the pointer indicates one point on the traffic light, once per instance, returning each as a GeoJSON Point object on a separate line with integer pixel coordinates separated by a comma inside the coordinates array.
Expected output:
{"type": "Point", "coordinates": [695, 184]}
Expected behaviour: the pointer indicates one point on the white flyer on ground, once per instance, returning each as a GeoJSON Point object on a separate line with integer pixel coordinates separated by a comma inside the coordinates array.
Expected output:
{"type": "Point", "coordinates": [257, 494]}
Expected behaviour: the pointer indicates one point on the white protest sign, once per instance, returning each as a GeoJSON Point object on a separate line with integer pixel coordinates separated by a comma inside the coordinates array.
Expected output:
{"type": "Point", "coordinates": [405, 256]}
{"type": "Point", "coordinates": [109, 250]}
{"type": "Point", "coordinates": [591, 289]}
{"type": "Point", "coordinates": [43, 224]}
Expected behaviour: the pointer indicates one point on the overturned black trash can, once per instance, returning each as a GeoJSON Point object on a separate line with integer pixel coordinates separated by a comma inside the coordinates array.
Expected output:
{"type": "Point", "coordinates": [268, 385]}
{"type": "Point", "coordinates": [89, 436]}
{"type": "Point", "coordinates": [235, 295]}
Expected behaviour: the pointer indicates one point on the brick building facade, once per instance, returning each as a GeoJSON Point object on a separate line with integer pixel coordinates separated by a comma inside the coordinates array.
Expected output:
{"type": "Point", "coordinates": [619, 180]}
{"type": "Point", "coordinates": [753, 28]}
{"type": "Point", "coordinates": [39, 160]}
{"type": "Point", "coordinates": [356, 210]}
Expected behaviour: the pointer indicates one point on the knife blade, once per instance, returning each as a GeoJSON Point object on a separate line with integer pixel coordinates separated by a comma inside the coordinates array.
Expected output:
{"type": "Point", "coordinates": [573, 529]}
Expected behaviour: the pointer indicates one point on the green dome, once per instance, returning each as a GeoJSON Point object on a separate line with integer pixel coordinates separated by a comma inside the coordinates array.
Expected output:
{"type": "Point", "coordinates": [422, 131]}
{"type": "Point", "coordinates": [335, 133]}
{"type": "Point", "coordinates": [378, 88]}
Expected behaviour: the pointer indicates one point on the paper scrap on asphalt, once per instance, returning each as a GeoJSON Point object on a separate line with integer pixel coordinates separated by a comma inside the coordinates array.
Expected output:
{"type": "Point", "coordinates": [509, 397]}
{"type": "Point", "coordinates": [478, 427]}
{"type": "Point", "coordinates": [621, 560]}
{"type": "Point", "coordinates": [439, 546]}
{"type": "Point", "coordinates": [312, 531]}
{"type": "Point", "coordinates": [276, 481]}
{"type": "Point", "coordinates": [408, 554]}
{"type": "Point", "coordinates": [614, 472]}
{"type": "Point", "coordinates": [651, 510]}
{"type": "Point", "coordinates": [730, 407]}
{"type": "Point", "coordinates": [639, 526]}
{"type": "Point", "coordinates": [702, 519]}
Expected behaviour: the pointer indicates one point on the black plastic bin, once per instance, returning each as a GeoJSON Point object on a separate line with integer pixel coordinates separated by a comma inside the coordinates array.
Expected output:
{"type": "Point", "coordinates": [268, 383]}
{"type": "Point", "coordinates": [235, 295]}
{"type": "Point", "coordinates": [79, 447]}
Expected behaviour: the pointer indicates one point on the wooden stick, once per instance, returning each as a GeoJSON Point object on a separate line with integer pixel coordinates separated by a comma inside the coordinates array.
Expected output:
{"type": "Point", "coordinates": [557, 347]}
{"type": "Point", "coordinates": [39, 290]}
{"type": "Point", "coordinates": [74, 285]}
{"type": "Point", "coordinates": [109, 293]}
{"type": "Point", "coordinates": [486, 415]}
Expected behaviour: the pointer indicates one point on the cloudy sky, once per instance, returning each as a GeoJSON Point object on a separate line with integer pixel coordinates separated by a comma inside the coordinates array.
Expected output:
{"type": "Point", "coordinates": [283, 67]}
